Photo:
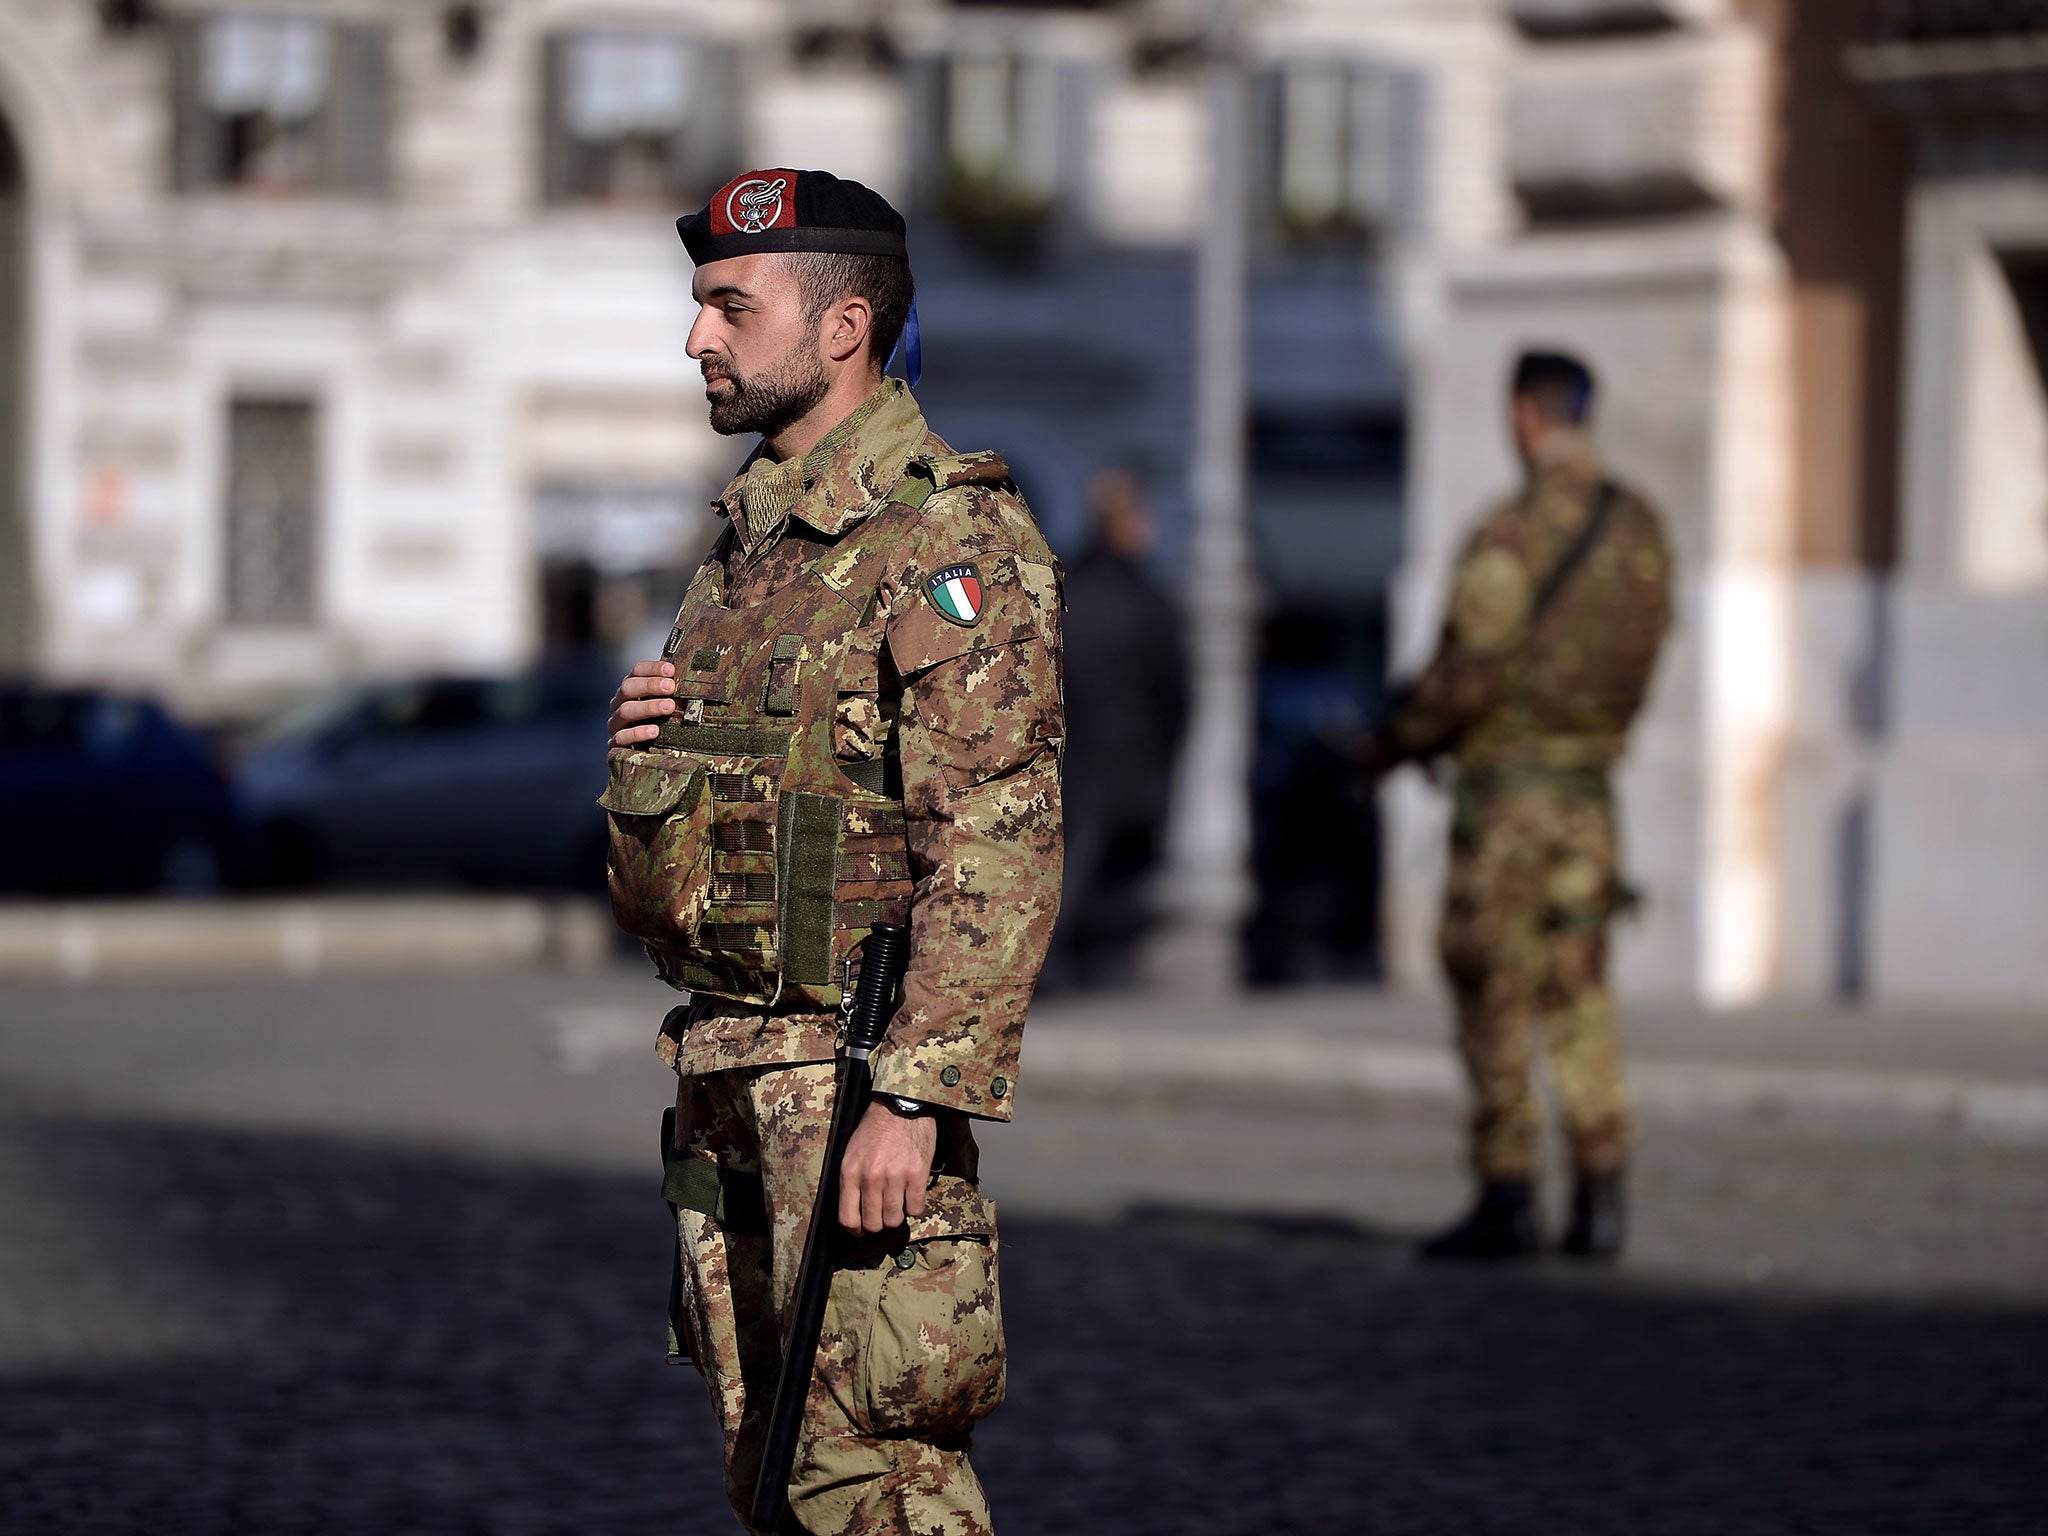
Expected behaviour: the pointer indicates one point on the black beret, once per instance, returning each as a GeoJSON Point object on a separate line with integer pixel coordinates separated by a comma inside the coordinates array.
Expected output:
{"type": "Point", "coordinates": [792, 211]}
{"type": "Point", "coordinates": [1538, 371]}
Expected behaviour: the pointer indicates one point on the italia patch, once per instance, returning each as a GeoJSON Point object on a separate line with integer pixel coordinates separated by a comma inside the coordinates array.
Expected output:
{"type": "Point", "coordinates": [956, 592]}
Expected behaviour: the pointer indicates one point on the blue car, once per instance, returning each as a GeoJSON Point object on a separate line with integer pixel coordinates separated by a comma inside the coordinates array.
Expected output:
{"type": "Point", "coordinates": [488, 782]}
{"type": "Point", "coordinates": [104, 793]}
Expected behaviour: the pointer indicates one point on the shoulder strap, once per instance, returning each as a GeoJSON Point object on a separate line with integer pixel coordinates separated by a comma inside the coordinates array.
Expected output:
{"type": "Point", "coordinates": [1575, 552]}
{"type": "Point", "coordinates": [922, 480]}
{"type": "Point", "coordinates": [925, 478]}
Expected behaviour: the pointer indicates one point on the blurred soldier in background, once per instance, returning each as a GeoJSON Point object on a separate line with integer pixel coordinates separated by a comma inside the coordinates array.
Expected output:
{"type": "Point", "coordinates": [1557, 610]}
{"type": "Point", "coordinates": [1127, 696]}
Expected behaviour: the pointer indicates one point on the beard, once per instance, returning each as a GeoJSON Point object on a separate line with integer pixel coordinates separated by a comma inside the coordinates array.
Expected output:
{"type": "Point", "coordinates": [781, 394]}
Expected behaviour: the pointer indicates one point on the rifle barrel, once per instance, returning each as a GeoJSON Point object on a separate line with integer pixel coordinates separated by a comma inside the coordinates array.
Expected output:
{"type": "Point", "coordinates": [884, 959]}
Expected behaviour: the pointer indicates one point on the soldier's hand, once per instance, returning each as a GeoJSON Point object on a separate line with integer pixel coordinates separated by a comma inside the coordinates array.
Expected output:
{"type": "Point", "coordinates": [642, 697]}
{"type": "Point", "coordinates": [888, 1163]}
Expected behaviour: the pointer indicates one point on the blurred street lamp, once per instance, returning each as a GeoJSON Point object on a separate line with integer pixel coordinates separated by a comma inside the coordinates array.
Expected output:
{"type": "Point", "coordinates": [1205, 890]}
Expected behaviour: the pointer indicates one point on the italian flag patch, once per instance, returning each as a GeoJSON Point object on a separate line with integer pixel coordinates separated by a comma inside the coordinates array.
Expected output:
{"type": "Point", "coordinates": [956, 592]}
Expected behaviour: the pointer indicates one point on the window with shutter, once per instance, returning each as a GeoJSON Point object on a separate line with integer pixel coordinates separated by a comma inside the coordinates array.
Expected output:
{"type": "Point", "coordinates": [1345, 149]}
{"type": "Point", "coordinates": [636, 117]}
{"type": "Point", "coordinates": [1002, 126]}
{"type": "Point", "coordinates": [278, 103]}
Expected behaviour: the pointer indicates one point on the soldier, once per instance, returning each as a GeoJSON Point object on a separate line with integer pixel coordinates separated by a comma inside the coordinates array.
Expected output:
{"type": "Point", "coordinates": [856, 720]}
{"type": "Point", "coordinates": [1559, 604]}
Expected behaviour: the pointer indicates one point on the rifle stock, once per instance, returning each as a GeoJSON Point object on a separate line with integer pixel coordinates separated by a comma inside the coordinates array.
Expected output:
{"type": "Point", "coordinates": [884, 958]}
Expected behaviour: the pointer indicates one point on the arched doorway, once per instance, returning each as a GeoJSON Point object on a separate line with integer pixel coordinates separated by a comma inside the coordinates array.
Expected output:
{"type": "Point", "coordinates": [17, 581]}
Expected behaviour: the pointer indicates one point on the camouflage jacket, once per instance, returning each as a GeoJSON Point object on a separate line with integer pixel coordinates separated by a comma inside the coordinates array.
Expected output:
{"type": "Point", "coordinates": [869, 730]}
{"type": "Point", "coordinates": [1508, 687]}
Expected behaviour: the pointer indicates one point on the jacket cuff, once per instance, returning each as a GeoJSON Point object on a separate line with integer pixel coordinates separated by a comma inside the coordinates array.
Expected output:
{"type": "Point", "coordinates": [955, 1046]}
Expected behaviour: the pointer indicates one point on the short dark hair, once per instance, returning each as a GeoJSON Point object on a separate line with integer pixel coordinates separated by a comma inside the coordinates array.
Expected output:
{"type": "Point", "coordinates": [825, 277]}
{"type": "Point", "coordinates": [1560, 385]}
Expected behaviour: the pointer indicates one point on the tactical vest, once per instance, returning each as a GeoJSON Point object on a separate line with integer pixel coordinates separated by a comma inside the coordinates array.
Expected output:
{"type": "Point", "coordinates": [746, 854]}
{"type": "Point", "coordinates": [1593, 646]}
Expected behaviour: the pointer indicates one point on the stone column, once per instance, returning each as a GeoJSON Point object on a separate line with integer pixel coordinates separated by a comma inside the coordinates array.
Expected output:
{"type": "Point", "coordinates": [1205, 890]}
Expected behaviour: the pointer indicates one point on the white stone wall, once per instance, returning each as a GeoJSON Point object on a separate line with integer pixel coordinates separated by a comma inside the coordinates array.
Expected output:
{"type": "Point", "coordinates": [1959, 902]}
{"type": "Point", "coordinates": [1960, 897]}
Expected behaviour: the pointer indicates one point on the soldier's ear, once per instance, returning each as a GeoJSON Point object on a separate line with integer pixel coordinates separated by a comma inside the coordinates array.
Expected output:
{"type": "Point", "coordinates": [847, 326]}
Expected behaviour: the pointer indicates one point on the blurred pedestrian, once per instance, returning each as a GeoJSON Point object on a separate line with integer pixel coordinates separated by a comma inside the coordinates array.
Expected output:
{"type": "Point", "coordinates": [1127, 698]}
{"type": "Point", "coordinates": [1558, 608]}
{"type": "Point", "coordinates": [855, 721]}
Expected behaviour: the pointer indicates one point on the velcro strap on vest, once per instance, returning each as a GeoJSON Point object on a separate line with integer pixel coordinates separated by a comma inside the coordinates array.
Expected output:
{"type": "Point", "coordinates": [807, 838]}
{"type": "Point", "coordinates": [723, 740]}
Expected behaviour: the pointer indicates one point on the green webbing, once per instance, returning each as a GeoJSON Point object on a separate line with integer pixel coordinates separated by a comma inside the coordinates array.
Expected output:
{"type": "Point", "coordinates": [780, 698]}
{"type": "Point", "coordinates": [733, 1199]}
{"type": "Point", "coordinates": [918, 486]}
{"type": "Point", "coordinates": [807, 843]}
{"type": "Point", "coordinates": [725, 740]}
{"type": "Point", "coordinates": [877, 775]}
{"type": "Point", "coordinates": [720, 975]}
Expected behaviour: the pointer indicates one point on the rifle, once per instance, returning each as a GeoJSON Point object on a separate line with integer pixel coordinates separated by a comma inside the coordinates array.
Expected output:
{"type": "Point", "coordinates": [884, 958]}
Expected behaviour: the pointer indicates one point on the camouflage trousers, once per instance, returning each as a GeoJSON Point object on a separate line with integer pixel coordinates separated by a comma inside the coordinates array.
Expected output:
{"type": "Point", "coordinates": [911, 1355]}
{"type": "Point", "coordinates": [1527, 902]}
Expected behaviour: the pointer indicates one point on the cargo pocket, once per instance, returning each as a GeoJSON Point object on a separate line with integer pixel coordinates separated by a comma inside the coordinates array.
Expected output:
{"type": "Point", "coordinates": [934, 1364]}
{"type": "Point", "coordinates": [658, 864]}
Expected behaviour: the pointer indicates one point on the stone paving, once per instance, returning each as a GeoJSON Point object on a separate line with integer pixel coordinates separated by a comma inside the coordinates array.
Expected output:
{"type": "Point", "coordinates": [245, 1286]}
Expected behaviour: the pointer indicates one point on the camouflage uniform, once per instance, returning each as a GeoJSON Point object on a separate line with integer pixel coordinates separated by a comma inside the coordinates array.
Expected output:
{"type": "Point", "coordinates": [850, 747]}
{"type": "Point", "coordinates": [1535, 714]}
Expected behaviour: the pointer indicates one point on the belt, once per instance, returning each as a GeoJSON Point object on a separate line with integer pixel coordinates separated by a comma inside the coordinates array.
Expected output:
{"type": "Point", "coordinates": [1581, 782]}
{"type": "Point", "coordinates": [1477, 786]}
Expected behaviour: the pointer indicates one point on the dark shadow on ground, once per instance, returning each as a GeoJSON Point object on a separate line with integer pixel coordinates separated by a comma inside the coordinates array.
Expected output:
{"type": "Point", "coordinates": [392, 1342]}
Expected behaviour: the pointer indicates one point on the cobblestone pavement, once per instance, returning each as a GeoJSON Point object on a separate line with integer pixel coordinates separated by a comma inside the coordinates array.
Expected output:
{"type": "Point", "coordinates": [370, 1260]}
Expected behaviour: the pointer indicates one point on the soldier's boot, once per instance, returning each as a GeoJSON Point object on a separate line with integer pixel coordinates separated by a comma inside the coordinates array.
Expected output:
{"type": "Point", "coordinates": [1596, 1227]}
{"type": "Point", "coordinates": [1500, 1225]}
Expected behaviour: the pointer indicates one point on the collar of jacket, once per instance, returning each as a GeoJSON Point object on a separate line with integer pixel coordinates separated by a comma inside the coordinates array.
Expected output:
{"type": "Point", "coordinates": [1565, 455]}
{"type": "Point", "coordinates": [860, 472]}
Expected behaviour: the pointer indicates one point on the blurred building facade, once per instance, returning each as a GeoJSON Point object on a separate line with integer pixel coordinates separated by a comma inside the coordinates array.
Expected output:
{"type": "Point", "coordinates": [358, 325]}
{"type": "Point", "coordinates": [342, 337]}
{"type": "Point", "coordinates": [352, 332]}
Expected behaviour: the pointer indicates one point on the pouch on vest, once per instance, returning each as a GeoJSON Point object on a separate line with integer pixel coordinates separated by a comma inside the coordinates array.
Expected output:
{"type": "Point", "coordinates": [762, 832]}
{"type": "Point", "coordinates": [658, 863]}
